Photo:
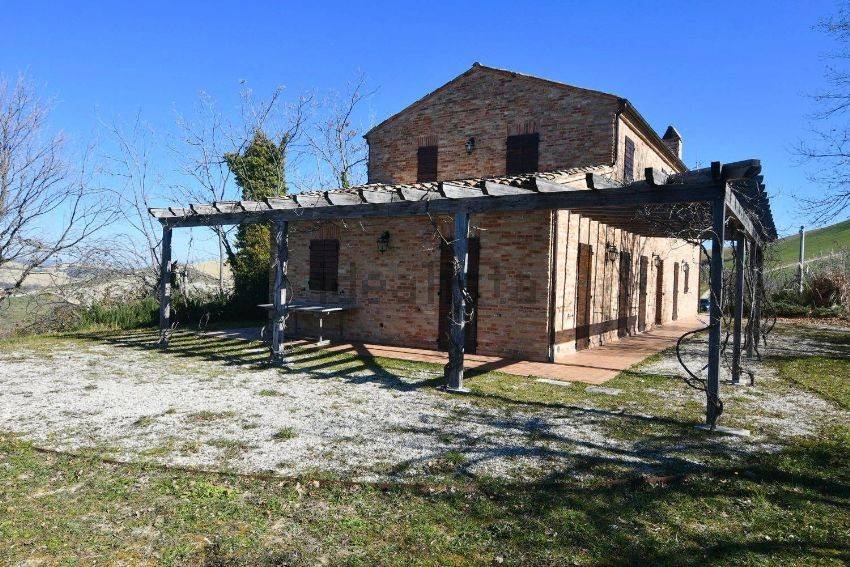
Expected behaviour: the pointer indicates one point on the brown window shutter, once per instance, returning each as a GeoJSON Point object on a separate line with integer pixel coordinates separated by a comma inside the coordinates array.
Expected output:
{"type": "Point", "coordinates": [331, 265]}
{"type": "Point", "coordinates": [316, 261]}
{"type": "Point", "coordinates": [426, 158]}
{"type": "Point", "coordinates": [522, 153]}
{"type": "Point", "coordinates": [324, 265]}
{"type": "Point", "coordinates": [629, 161]}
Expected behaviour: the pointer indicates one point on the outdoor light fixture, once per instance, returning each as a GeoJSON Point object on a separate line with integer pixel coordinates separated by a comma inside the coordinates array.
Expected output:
{"type": "Point", "coordinates": [611, 252]}
{"type": "Point", "coordinates": [470, 144]}
{"type": "Point", "coordinates": [384, 241]}
{"type": "Point", "coordinates": [656, 260]}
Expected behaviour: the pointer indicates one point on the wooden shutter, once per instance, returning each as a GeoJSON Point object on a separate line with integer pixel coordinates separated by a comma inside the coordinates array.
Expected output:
{"type": "Point", "coordinates": [426, 158]}
{"type": "Point", "coordinates": [522, 153]}
{"type": "Point", "coordinates": [583, 297]}
{"type": "Point", "coordinates": [644, 275]}
{"type": "Point", "coordinates": [624, 297]}
{"type": "Point", "coordinates": [629, 161]}
{"type": "Point", "coordinates": [675, 290]}
{"type": "Point", "coordinates": [324, 265]}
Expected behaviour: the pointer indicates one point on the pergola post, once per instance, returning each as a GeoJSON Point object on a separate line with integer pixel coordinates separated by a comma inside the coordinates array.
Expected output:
{"type": "Point", "coordinates": [740, 251]}
{"type": "Point", "coordinates": [712, 386]}
{"type": "Point", "coordinates": [165, 287]}
{"type": "Point", "coordinates": [758, 262]}
{"type": "Point", "coordinates": [280, 230]}
{"type": "Point", "coordinates": [457, 314]}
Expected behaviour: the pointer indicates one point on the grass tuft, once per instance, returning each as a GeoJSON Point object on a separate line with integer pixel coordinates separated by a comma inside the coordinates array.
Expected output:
{"type": "Point", "coordinates": [284, 434]}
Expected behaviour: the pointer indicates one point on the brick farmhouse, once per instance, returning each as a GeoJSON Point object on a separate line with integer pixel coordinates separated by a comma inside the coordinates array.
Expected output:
{"type": "Point", "coordinates": [542, 283]}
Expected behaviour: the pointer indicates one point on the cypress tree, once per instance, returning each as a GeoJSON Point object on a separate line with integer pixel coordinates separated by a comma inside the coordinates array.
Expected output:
{"type": "Point", "coordinates": [259, 172]}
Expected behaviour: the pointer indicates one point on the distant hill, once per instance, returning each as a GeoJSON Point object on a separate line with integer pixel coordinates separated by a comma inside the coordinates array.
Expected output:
{"type": "Point", "coordinates": [819, 242]}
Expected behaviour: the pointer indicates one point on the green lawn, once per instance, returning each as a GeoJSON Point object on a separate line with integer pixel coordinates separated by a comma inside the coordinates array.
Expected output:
{"type": "Point", "coordinates": [818, 242]}
{"type": "Point", "coordinates": [828, 377]}
{"type": "Point", "coordinates": [784, 509]}
{"type": "Point", "coordinates": [787, 507]}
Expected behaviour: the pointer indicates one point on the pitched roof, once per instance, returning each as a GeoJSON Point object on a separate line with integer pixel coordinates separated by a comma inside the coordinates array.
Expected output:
{"type": "Point", "coordinates": [479, 67]}
{"type": "Point", "coordinates": [625, 105]}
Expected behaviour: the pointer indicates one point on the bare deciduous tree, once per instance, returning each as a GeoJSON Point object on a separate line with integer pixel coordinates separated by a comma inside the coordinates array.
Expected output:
{"type": "Point", "coordinates": [336, 143]}
{"type": "Point", "coordinates": [49, 208]}
{"type": "Point", "coordinates": [139, 186]}
{"type": "Point", "coordinates": [827, 152]}
{"type": "Point", "coordinates": [208, 135]}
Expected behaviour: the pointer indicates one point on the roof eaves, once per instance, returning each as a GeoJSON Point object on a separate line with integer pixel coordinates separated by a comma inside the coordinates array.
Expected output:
{"type": "Point", "coordinates": [636, 116]}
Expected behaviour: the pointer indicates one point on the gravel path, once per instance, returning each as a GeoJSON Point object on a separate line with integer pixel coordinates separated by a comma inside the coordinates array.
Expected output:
{"type": "Point", "coordinates": [212, 415]}
{"type": "Point", "coordinates": [141, 404]}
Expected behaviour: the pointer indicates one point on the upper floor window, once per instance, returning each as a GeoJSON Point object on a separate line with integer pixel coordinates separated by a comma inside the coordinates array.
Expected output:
{"type": "Point", "coordinates": [426, 163]}
{"type": "Point", "coordinates": [522, 153]}
{"type": "Point", "coordinates": [629, 161]}
{"type": "Point", "coordinates": [324, 264]}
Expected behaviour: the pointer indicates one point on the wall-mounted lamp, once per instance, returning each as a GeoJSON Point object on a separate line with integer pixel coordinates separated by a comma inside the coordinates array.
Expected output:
{"type": "Point", "coordinates": [611, 252]}
{"type": "Point", "coordinates": [384, 241]}
{"type": "Point", "coordinates": [470, 145]}
{"type": "Point", "coordinates": [656, 260]}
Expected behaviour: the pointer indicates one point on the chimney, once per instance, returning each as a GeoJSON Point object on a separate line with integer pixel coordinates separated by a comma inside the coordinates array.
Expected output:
{"type": "Point", "coordinates": [673, 140]}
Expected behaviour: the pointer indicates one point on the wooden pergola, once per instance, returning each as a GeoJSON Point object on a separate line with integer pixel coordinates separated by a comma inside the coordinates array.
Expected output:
{"type": "Point", "coordinates": [728, 198]}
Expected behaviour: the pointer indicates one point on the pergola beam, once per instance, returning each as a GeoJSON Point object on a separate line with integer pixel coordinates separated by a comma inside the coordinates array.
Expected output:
{"type": "Point", "coordinates": [382, 203]}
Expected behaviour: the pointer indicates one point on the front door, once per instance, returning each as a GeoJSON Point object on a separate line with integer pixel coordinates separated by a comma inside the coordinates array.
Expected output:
{"type": "Point", "coordinates": [446, 275]}
{"type": "Point", "coordinates": [624, 297]}
{"type": "Point", "coordinates": [583, 296]}
{"type": "Point", "coordinates": [644, 270]}
{"type": "Point", "coordinates": [659, 292]}
{"type": "Point", "coordinates": [675, 290]}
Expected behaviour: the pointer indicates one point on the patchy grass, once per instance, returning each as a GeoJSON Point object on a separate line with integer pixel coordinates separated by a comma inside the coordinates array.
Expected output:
{"type": "Point", "coordinates": [783, 509]}
{"type": "Point", "coordinates": [270, 393]}
{"type": "Point", "coordinates": [826, 376]}
{"type": "Point", "coordinates": [285, 434]}
{"type": "Point", "coordinates": [207, 416]}
{"type": "Point", "coordinates": [231, 447]}
{"type": "Point", "coordinates": [144, 421]}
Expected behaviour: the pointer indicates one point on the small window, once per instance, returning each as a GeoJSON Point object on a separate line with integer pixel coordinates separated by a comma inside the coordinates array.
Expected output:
{"type": "Point", "coordinates": [426, 159]}
{"type": "Point", "coordinates": [324, 264]}
{"type": "Point", "coordinates": [522, 153]}
{"type": "Point", "coordinates": [686, 269]}
{"type": "Point", "coordinates": [629, 161]}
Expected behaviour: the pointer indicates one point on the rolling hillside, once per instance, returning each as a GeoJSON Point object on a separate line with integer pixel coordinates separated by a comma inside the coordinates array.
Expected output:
{"type": "Point", "coordinates": [819, 242]}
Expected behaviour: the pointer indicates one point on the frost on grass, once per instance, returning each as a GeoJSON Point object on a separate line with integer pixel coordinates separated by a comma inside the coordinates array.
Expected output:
{"type": "Point", "coordinates": [218, 406]}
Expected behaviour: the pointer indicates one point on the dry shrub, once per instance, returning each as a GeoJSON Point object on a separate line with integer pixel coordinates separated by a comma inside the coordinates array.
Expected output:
{"type": "Point", "coordinates": [826, 288]}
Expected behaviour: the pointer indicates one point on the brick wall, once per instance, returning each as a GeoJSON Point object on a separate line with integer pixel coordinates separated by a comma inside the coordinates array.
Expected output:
{"type": "Point", "coordinates": [576, 127]}
{"type": "Point", "coordinates": [573, 228]}
{"type": "Point", "coordinates": [646, 153]}
{"type": "Point", "coordinates": [397, 291]}
{"type": "Point", "coordinates": [520, 280]}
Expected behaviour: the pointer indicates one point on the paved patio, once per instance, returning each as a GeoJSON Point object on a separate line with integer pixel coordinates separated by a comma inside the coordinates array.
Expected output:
{"type": "Point", "coordinates": [592, 366]}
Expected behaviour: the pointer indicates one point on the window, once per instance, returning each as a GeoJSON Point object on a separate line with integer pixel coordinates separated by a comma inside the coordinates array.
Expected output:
{"type": "Point", "coordinates": [521, 155]}
{"type": "Point", "coordinates": [629, 161]}
{"type": "Point", "coordinates": [685, 272]}
{"type": "Point", "coordinates": [324, 263]}
{"type": "Point", "coordinates": [426, 159]}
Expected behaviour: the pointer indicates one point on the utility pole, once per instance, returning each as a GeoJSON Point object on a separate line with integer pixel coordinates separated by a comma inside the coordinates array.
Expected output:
{"type": "Point", "coordinates": [802, 256]}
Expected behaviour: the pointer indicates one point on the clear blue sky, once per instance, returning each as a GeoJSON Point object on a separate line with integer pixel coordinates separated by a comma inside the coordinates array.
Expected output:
{"type": "Point", "coordinates": [731, 77]}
